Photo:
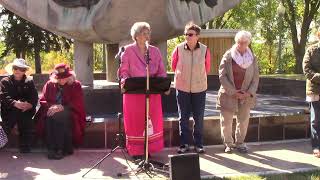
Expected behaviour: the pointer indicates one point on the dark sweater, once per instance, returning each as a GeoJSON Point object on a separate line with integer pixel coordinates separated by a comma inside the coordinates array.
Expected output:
{"type": "Point", "coordinates": [12, 91]}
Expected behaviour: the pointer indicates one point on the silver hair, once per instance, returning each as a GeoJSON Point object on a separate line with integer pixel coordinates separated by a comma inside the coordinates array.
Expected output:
{"type": "Point", "coordinates": [244, 35]}
{"type": "Point", "coordinates": [137, 28]}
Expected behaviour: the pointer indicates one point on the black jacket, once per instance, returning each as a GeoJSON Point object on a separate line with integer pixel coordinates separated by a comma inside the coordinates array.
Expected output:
{"type": "Point", "coordinates": [12, 90]}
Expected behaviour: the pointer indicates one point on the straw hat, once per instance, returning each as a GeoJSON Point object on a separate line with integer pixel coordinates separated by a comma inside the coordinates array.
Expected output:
{"type": "Point", "coordinates": [19, 62]}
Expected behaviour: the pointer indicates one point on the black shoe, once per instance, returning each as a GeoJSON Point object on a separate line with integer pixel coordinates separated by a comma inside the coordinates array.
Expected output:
{"type": "Point", "coordinates": [68, 152]}
{"type": "Point", "coordinates": [242, 149]}
{"type": "Point", "coordinates": [137, 157]}
{"type": "Point", "coordinates": [199, 149]}
{"type": "Point", "coordinates": [55, 155]}
{"type": "Point", "coordinates": [24, 150]}
{"type": "Point", "coordinates": [51, 154]}
{"type": "Point", "coordinates": [183, 149]}
{"type": "Point", "coordinates": [59, 154]}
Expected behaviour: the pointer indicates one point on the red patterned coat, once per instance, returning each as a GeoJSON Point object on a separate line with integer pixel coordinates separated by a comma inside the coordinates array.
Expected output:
{"type": "Point", "coordinates": [72, 98]}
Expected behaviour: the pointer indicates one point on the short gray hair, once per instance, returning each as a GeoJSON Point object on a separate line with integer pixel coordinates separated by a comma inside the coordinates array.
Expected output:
{"type": "Point", "coordinates": [243, 35]}
{"type": "Point", "coordinates": [137, 28]}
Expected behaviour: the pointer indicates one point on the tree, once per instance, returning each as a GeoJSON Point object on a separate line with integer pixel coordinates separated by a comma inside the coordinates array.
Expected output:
{"type": "Point", "coordinates": [242, 16]}
{"type": "Point", "coordinates": [303, 12]}
{"type": "Point", "coordinates": [259, 17]}
{"type": "Point", "coordinates": [24, 37]}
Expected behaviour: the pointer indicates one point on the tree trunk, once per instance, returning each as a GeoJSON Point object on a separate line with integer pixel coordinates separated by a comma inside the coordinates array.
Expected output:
{"type": "Point", "coordinates": [21, 54]}
{"type": "Point", "coordinates": [18, 54]}
{"type": "Point", "coordinates": [37, 58]}
{"type": "Point", "coordinates": [270, 57]}
{"type": "Point", "coordinates": [299, 44]}
{"type": "Point", "coordinates": [299, 53]}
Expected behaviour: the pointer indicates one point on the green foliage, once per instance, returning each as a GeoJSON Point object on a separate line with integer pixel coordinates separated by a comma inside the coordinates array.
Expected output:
{"type": "Point", "coordinates": [265, 59]}
{"type": "Point", "coordinates": [298, 16]}
{"type": "Point", "coordinates": [50, 59]}
{"type": "Point", "coordinates": [98, 57]}
{"type": "Point", "coordinates": [171, 44]}
{"type": "Point", "coordinates": [260, 17]}
{"type": "Point", "coordinates": [2, 49]}
{"type": "Point", "coordinates": [22, 37]}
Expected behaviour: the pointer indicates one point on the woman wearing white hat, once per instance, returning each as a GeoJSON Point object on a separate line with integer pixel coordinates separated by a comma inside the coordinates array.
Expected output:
{"type": "Point", "coordinates": [19, 98]}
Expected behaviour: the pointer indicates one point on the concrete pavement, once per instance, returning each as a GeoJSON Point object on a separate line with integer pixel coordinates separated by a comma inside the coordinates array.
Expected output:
{"type": "Point", "coordinates": [263, 158]}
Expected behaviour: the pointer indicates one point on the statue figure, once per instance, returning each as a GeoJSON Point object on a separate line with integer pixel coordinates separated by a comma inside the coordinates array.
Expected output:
{"type": "Point", "coordinates": [108, 21]}
{"type": "Point", "coordinates": [210, 3]}
{"type": "Point", "coordinates": [76, 3]}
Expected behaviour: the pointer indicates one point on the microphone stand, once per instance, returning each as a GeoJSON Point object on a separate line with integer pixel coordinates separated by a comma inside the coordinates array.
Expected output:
{"type": "Point", "coordinates": [147, 115]}
{"type": "Point", "coordinates": [119, 136]}
{"type": "Point", "coordinates": [145, 165]}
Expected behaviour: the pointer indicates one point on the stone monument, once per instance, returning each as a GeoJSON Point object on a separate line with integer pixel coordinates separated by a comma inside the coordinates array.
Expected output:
{"type": "Point", "coordinates": [109, 21]}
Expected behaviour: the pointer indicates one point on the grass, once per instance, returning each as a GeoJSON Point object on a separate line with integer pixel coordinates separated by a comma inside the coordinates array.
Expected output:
{"type": "Point", "coordinates": [311, 175]}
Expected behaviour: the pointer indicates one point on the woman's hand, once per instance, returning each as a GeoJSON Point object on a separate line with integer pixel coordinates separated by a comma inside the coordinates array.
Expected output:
{"type": "Point", "coordinates": [122, 89]}
{"type": "Point", "coordinates": [26, 106]}
{"type": "Point", "coordinates": [246, 94]}
{"type": "Point", "coordinates": [54, 109]}
{"type": "Point", "coordinates": [167, 92]}
{"type": "Point", "coordinates": [242, 95]}
{"type": "Point", "coordinates": [19, 105]}
{"type": "Point", "coordinates": [239, 95]}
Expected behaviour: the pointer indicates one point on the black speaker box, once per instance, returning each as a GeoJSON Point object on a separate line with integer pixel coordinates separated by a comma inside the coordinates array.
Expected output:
{"type": "Point", "coordinates": [184, 167]}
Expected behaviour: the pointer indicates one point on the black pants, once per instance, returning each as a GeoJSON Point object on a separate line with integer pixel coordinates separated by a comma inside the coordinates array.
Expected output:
{"type": "Point", "coordinates": [25, 126]}
{"type": "Point", "coordinates": [59, 131]}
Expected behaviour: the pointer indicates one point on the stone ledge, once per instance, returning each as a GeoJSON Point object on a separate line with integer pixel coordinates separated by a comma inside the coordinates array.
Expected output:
{"type": "Point", "coordinates": [101, 132]}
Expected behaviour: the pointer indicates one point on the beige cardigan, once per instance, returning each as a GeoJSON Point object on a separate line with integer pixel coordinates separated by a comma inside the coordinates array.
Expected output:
{"type": "Point", "coordinates": [226, 99]}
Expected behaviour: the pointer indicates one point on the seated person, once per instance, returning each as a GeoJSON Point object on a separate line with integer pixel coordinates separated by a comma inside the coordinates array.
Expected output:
{"type": "Point", "coordinates": [61, 116]}
{"type": "Point", "coordinates": [19, 99]}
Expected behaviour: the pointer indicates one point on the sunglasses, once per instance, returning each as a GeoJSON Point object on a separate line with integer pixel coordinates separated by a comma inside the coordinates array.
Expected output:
{"type": "Point", "coordinates": [243, 42]}
{"type": "Point", "coordinates": [189, 34]}
{"type": "Point", "coordinates": [146, 33]}
{"type": "Point", "coordinates": [20, 69]}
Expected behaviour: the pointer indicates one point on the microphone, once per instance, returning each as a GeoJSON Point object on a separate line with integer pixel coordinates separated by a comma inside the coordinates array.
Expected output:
{"type": "Point", "coordinates": [147, 52]}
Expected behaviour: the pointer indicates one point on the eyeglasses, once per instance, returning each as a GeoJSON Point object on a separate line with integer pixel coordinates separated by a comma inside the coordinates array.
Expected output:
{"type": "Point", "coordinates": [189, 34]}
{"type": "Point", "coordinates": [18, 68]}
{"type": "Point", "coordinates": [243, 42]}
{"type": "Point", "coordinates": [146, 33]}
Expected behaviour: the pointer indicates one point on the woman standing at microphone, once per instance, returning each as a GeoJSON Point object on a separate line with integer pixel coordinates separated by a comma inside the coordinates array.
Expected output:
{"type": "Point", "coordinates": [133, 64]}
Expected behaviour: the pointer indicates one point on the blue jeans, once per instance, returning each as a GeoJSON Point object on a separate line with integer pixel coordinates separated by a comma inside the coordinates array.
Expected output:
{"type": "Point", "coordinates": [314, 123]}
{"type": "Point", "coordinates": [187, 103]}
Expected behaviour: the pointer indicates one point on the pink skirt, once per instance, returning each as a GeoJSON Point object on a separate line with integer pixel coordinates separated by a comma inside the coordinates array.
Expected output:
{"type": "Point", "coordinates": [134, 123]}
